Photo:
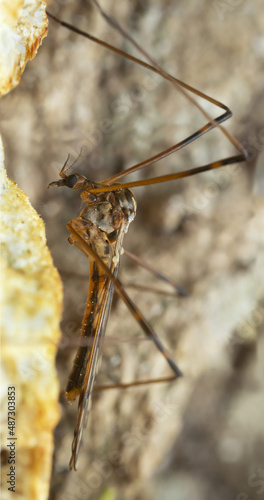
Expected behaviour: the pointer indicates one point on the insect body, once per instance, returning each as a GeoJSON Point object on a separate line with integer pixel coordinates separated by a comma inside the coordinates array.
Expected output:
{"type": "Point", "coordinates": [98, 232]}
{"type": "Point", "coordinates": [102, 225]}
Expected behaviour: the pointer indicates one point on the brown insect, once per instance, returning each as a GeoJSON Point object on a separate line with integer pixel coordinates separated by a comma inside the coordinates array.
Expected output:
{"type": "Point", "coordinates": [99, 230]}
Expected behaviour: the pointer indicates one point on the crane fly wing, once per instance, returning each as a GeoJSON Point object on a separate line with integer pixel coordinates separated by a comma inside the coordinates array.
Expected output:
{"type": "Point", "coordinates": [91, 372]}
{"type": "Point", "coordinates": [100, 319]}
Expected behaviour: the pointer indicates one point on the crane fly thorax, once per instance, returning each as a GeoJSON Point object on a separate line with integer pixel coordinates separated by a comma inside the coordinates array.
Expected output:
{"type": "Point", "coordinates": [109, 210]}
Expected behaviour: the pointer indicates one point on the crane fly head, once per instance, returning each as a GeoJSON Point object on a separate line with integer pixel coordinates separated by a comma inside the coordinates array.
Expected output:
{"type": "Point", "coordinates": [73, 181]}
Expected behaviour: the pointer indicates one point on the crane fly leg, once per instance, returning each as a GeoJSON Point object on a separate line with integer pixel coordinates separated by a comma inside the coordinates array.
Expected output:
{"type": "Point", "coordinates": [135, 384]}
{"type": "Point", "coordinates": [155, 272]}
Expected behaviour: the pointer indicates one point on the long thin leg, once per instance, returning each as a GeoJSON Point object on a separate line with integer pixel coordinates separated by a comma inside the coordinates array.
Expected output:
{"type": "Point", "coordinates": [80, 242]}
{"type": "Point", "coordinates": [151, 289]}
{"type": "Point", "coordinates": [161, 72]}
{"type": "Point", "coordinates": [98, 388]}
{"type": "Point", "coordinates": [180, 85]}
{"type": "Point", "coordinates": [170, 177]}
{"type": "Point", "coordinates": [113, 22]}
{"type": "Point", "coordinates": [155, 272]}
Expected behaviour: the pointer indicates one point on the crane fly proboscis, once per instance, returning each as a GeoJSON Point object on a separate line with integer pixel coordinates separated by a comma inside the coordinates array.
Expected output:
{"type": "Point", "coordinates": [98, 232]}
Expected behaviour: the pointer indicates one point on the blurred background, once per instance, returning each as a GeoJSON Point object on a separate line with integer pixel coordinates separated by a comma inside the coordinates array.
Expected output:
{"type": "Point", "coordinates": [202, 436]}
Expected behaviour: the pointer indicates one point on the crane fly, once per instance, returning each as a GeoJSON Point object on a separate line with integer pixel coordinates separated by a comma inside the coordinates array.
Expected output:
{"type": "Point", "coordinates": [99, 230]}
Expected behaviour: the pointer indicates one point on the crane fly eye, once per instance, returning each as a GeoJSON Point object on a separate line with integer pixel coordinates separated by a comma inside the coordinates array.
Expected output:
{"type": "Point", "coordinates": [71, 180]}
